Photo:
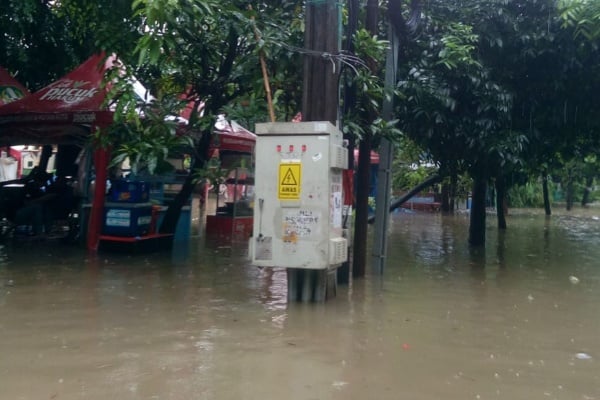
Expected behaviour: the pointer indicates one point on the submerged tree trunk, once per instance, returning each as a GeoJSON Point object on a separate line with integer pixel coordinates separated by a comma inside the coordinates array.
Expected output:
{"type": "Point", "coordinates": [359, 259]}
{"type": "Point", "coordinates": [446, 197]}
{"type": "Point", "coordinates": [453, 189]}
{"type": "Point", "coordinates": [169, 222]}
{"type": "Point", "coordinates": [546, 195]}
{"type": "Point", "coordinates": [588, 189]}
{"type": "Point", "coordinates": [477, 220]}
{"type": "Point", "coordinates": [501, 205]}
{"type": "Point", "coordinates": [570, 194]}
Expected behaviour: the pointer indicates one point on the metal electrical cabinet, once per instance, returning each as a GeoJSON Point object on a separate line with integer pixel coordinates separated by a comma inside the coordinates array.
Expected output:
{"type": "Point", "coordinates": [298, 196]}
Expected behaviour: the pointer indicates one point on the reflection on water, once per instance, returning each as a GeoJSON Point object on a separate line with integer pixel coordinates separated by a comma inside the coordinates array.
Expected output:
{"type": "Point", "coordinates": [517, 320]}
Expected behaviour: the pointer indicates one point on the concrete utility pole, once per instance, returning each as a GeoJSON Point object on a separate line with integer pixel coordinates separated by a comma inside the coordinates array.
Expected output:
{"type": "Point", "coordinates": [320, 102]}
{"type": "Point", "coordinates": [320, 86]}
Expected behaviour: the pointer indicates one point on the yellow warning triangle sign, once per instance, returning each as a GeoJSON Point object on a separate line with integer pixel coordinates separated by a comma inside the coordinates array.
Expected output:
{"type": "Point", "coordinates": [289, 179]}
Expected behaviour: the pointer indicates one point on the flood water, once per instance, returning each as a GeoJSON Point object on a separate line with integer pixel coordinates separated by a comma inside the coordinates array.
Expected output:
{"type": "Point", "coordinates": [520, 320]}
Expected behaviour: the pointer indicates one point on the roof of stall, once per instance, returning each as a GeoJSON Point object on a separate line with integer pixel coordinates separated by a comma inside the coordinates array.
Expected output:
{"type": "Point", "coordinates": [64, 111]}
{"type": "Point", "coordinates": [10, 88]}
{"type": "Point", "coordinates": [60, 112]}
{"type": "Point", "coordinates": [233, 137]}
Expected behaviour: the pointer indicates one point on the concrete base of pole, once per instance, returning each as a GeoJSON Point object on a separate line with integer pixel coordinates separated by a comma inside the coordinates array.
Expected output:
{"type": "Point", "coordinates": [308, 285]}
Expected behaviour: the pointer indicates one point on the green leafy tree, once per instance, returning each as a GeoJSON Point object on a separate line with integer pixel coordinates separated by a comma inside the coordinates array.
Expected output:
{"type": "Point", "coordinates": [44, 39]}
{"type": "Point", "coordinates": [454, 108]}
{"type": "Point", "coordinates": [210, 51]}
{"type": "Point", "coordinates": [497, 88]}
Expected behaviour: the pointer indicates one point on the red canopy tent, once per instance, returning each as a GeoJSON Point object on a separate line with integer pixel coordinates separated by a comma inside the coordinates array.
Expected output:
{"type": "Point", "coordinates": [63, 111]}
{"type": "Point", "coordinates": [66, 111]}
{"type": "Point", "coordinates": [10, 88]}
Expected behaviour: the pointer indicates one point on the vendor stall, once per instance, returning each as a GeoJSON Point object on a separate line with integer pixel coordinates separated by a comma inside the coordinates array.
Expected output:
{"type": "Point", "coordinates": [233, 216]}
{"type": "Point", "coordinates": [66, 112]}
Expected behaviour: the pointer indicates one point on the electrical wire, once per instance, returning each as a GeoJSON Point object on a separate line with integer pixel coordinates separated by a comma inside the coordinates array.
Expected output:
{"type": "Point", "coordinates": [350, 60]}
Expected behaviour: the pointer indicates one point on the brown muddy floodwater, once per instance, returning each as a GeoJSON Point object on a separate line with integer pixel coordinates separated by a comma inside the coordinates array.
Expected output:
{"type": "Point", "coordinates": [518, 321]}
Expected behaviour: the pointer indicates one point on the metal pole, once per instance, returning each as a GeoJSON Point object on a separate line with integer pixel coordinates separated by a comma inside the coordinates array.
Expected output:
{"type": "Point", "coordinates": [386, 153]}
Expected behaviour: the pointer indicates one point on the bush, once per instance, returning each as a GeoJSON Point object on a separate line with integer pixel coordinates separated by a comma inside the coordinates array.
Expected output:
{"type": "Point", "coordinates": [528, 195]}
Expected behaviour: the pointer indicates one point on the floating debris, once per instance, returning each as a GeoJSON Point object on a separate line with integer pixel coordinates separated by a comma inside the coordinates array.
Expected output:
{"type": "Point", "coordinates": [339, 384]}
{"type": "Point", "coordinates": [574, 280]}
{"type": "Point", "coordinates": [583, 356]}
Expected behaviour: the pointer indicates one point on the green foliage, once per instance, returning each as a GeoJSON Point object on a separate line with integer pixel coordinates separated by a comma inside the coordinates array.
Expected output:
{"type": "Point", "coordinates": [209, 51]}
{"type": "Point", "coordinates": [410, 165]}
{"type": "Point", "coordinates": [42, 40]}
{"type": "Point", "coordinates": [527, 195]}
{"type": "Point", "coordinates": [145, 131]}
{"type": "Point", "coordinates": [365, 116]}
{"type": "Point", "coordinates": [453, 107]}
{"type": "Point", "coordinates": [247, 111]}
{"type": "Point", "coordinates": [210, 48]}
{"type": "Point", "coordinates": [147, 143]}
{"type": "Point", "coordinates": [406, 177]}
{"type": "Point", "coordinates": [458, 47]}
{"type": "Point", "coordinates": [32, 36]}
{"type": "Point", "coordinates": [502, 86]}
{"type": "Point", "coordinates": [108, 25]}
{"type": "Point", "coordinates": [583, 15]}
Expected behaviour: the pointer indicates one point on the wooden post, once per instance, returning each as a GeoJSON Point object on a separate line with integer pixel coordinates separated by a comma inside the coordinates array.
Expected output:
{"type": "Point", "coordinates": [263, 67]}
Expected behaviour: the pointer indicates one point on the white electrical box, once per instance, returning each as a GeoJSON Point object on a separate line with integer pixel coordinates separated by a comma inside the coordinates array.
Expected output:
{"type": "Point", "coordinates": [298, 199]}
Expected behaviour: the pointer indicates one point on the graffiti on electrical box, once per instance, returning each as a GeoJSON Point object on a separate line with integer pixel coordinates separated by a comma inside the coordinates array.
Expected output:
{"type": "Point", "coordinates": [298, 224]}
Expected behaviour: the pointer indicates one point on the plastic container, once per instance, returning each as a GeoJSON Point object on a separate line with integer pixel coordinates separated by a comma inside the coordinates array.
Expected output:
{"type": "Point", "coordinates": [130, 220]}
{"type": "Point", "coordinates": [125, 191]}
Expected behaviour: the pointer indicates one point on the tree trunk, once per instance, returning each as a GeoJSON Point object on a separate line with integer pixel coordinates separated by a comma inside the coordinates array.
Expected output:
{"type": "Point", "coordinates": [453, 188]}
{"type": "Point", "coordinates": [586, 193]}
{"type": "Point", "coordinates": [477, 219]}
{"type": "Point", "coordinates": [570, 194]}
{"type": "Point", "coordinates": [359, 259]}
{"type": "Point", "coordinates": [446, 197]}
{"type": "Point", "coordinates": [169, 222]}
{"type": "Point", "coordinates": [545, 192]}
{"type": "Point", "coordinates": [501, 202]}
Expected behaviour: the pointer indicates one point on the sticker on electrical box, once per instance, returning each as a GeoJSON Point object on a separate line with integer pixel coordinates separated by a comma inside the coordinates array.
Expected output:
{"type": "Point", "coordinates": [264, 248]}
{"type": "Point", "coordinates": [289, 181]}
